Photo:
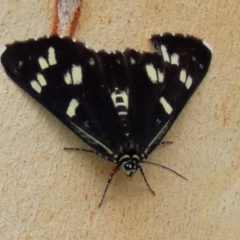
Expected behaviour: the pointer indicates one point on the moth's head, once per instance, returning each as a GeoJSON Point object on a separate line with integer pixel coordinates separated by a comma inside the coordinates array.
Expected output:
{"type": "Point", "coordinates": [130, 167]}
{"type": "Point", "coordinates": [130, 164]}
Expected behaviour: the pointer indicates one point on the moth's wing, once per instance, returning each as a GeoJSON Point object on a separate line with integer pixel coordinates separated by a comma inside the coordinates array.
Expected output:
{"type": "Point", "coordinates": [67, 78]}
{"type": "Point", "coordinates": [76, 84]}
{"type": "Point", "coordinates": [161, 83]}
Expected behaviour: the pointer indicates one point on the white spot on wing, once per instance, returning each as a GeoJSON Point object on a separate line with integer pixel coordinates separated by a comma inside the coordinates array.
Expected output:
{"type": "Point", "coordinates": [151, 72]}
{"type": "Point", "coordinates": [166, 105]}
{"type": "Point", "coordinates": [76, 74]}
{"type": "Point", "coordinates": [175, 59]}
{"type": "Point", "coordinates": [67, 78]}
{"type": "Point", "coordinates": [132, 61]}
{"type": "Point", "coordinates": [36, 86]}
{"type": "Point", "coordinates": [188, 82]}
{"type": "Point", "coordinates": [43, 63]}
{"type": "Point", "coordinates": [165, 54]}
{"type": "Point", "coordinates": [160, 75]}
{"type": "Point", "coordinates": [41, 79]}
{"type": "Point", "coordinates": [183, 76]}
{"type": "Point", "coordinates": [71, 111]}
{"type": "Point", "coordinates": [51, 56]}
{"type": "Point", "coordinates": [91, 61]}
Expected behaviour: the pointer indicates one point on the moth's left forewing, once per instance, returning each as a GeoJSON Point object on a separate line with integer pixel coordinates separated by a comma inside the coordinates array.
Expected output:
{"type": "Point", "coordinates": [67, 78]}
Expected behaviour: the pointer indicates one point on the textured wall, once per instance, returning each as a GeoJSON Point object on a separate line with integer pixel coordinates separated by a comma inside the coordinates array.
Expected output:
{"type": "Point", "coordinates": [48, 193]}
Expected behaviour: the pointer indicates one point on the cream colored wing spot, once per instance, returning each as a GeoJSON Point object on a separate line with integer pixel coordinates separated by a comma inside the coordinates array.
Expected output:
{"type": "Point", "coordinates": [77, 74]}
{"type": "Point", "coordinates": [43, 63]}
{"type": "Point", "coordinates": [46, 63]}
{"type": "Point", "coordinates": [41, 79]}
{"type": "Point", "coordinates": [71, 111]}
{"type": "Point", "coordinates": [75, 77]}
{"type": "Point", "coordinates": [160, 76]}
{"type": "Point", "coordinates": [151, 72]}
{"type": "Point", "coordinates": [183, 76]}
{"type": "Point", "coordinates": [154, 74]}
{"type": "Point", "coordinates": [36, 86]}
{"type": "Point", "coordinates": [167, 107]}
{"type": "Point", "coordinates": [39, 83]}
{"type": "Point", "coordinates": [68, 78]}
{"type": "Point", "coordinates": [187, 80]}
{"type": "Point", "coordinates": [51, 56]}
{"type": "Point", "coordinates": [165, 54]}
{"type": "Point", "coordinates": [175, 59]}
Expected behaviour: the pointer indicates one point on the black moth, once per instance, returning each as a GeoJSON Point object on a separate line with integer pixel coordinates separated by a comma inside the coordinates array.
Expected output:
{"type": "Point", "coordinates": [121, 104]}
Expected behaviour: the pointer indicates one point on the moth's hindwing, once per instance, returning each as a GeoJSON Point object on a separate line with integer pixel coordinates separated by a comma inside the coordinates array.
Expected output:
{"type": "Point", "coordinates": [111, 100]}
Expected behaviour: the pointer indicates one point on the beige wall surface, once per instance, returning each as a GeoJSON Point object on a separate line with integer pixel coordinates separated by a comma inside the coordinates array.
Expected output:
{"type": "Point", "coordinates": [48, 193]}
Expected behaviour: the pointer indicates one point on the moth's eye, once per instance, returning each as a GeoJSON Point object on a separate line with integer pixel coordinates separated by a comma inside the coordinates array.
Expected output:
{"type": "Point", "coordinates": [127, 166]}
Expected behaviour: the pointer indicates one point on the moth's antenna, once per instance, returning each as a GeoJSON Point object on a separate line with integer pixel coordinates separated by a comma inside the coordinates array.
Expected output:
{"type": "Point", "coordinates": [159, 165]}
{"type": "Point", "coordinates": [144, 177]}
{"type": "Point", "coordinates": [115, 170]}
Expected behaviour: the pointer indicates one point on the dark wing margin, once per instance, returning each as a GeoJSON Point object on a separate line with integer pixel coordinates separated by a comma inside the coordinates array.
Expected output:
{"type": "Point", "coordinates": [162, 83]}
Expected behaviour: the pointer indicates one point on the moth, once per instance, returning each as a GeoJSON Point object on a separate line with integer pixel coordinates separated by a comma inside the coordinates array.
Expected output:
{"type": "Point", "coordinates": [122, 104]}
